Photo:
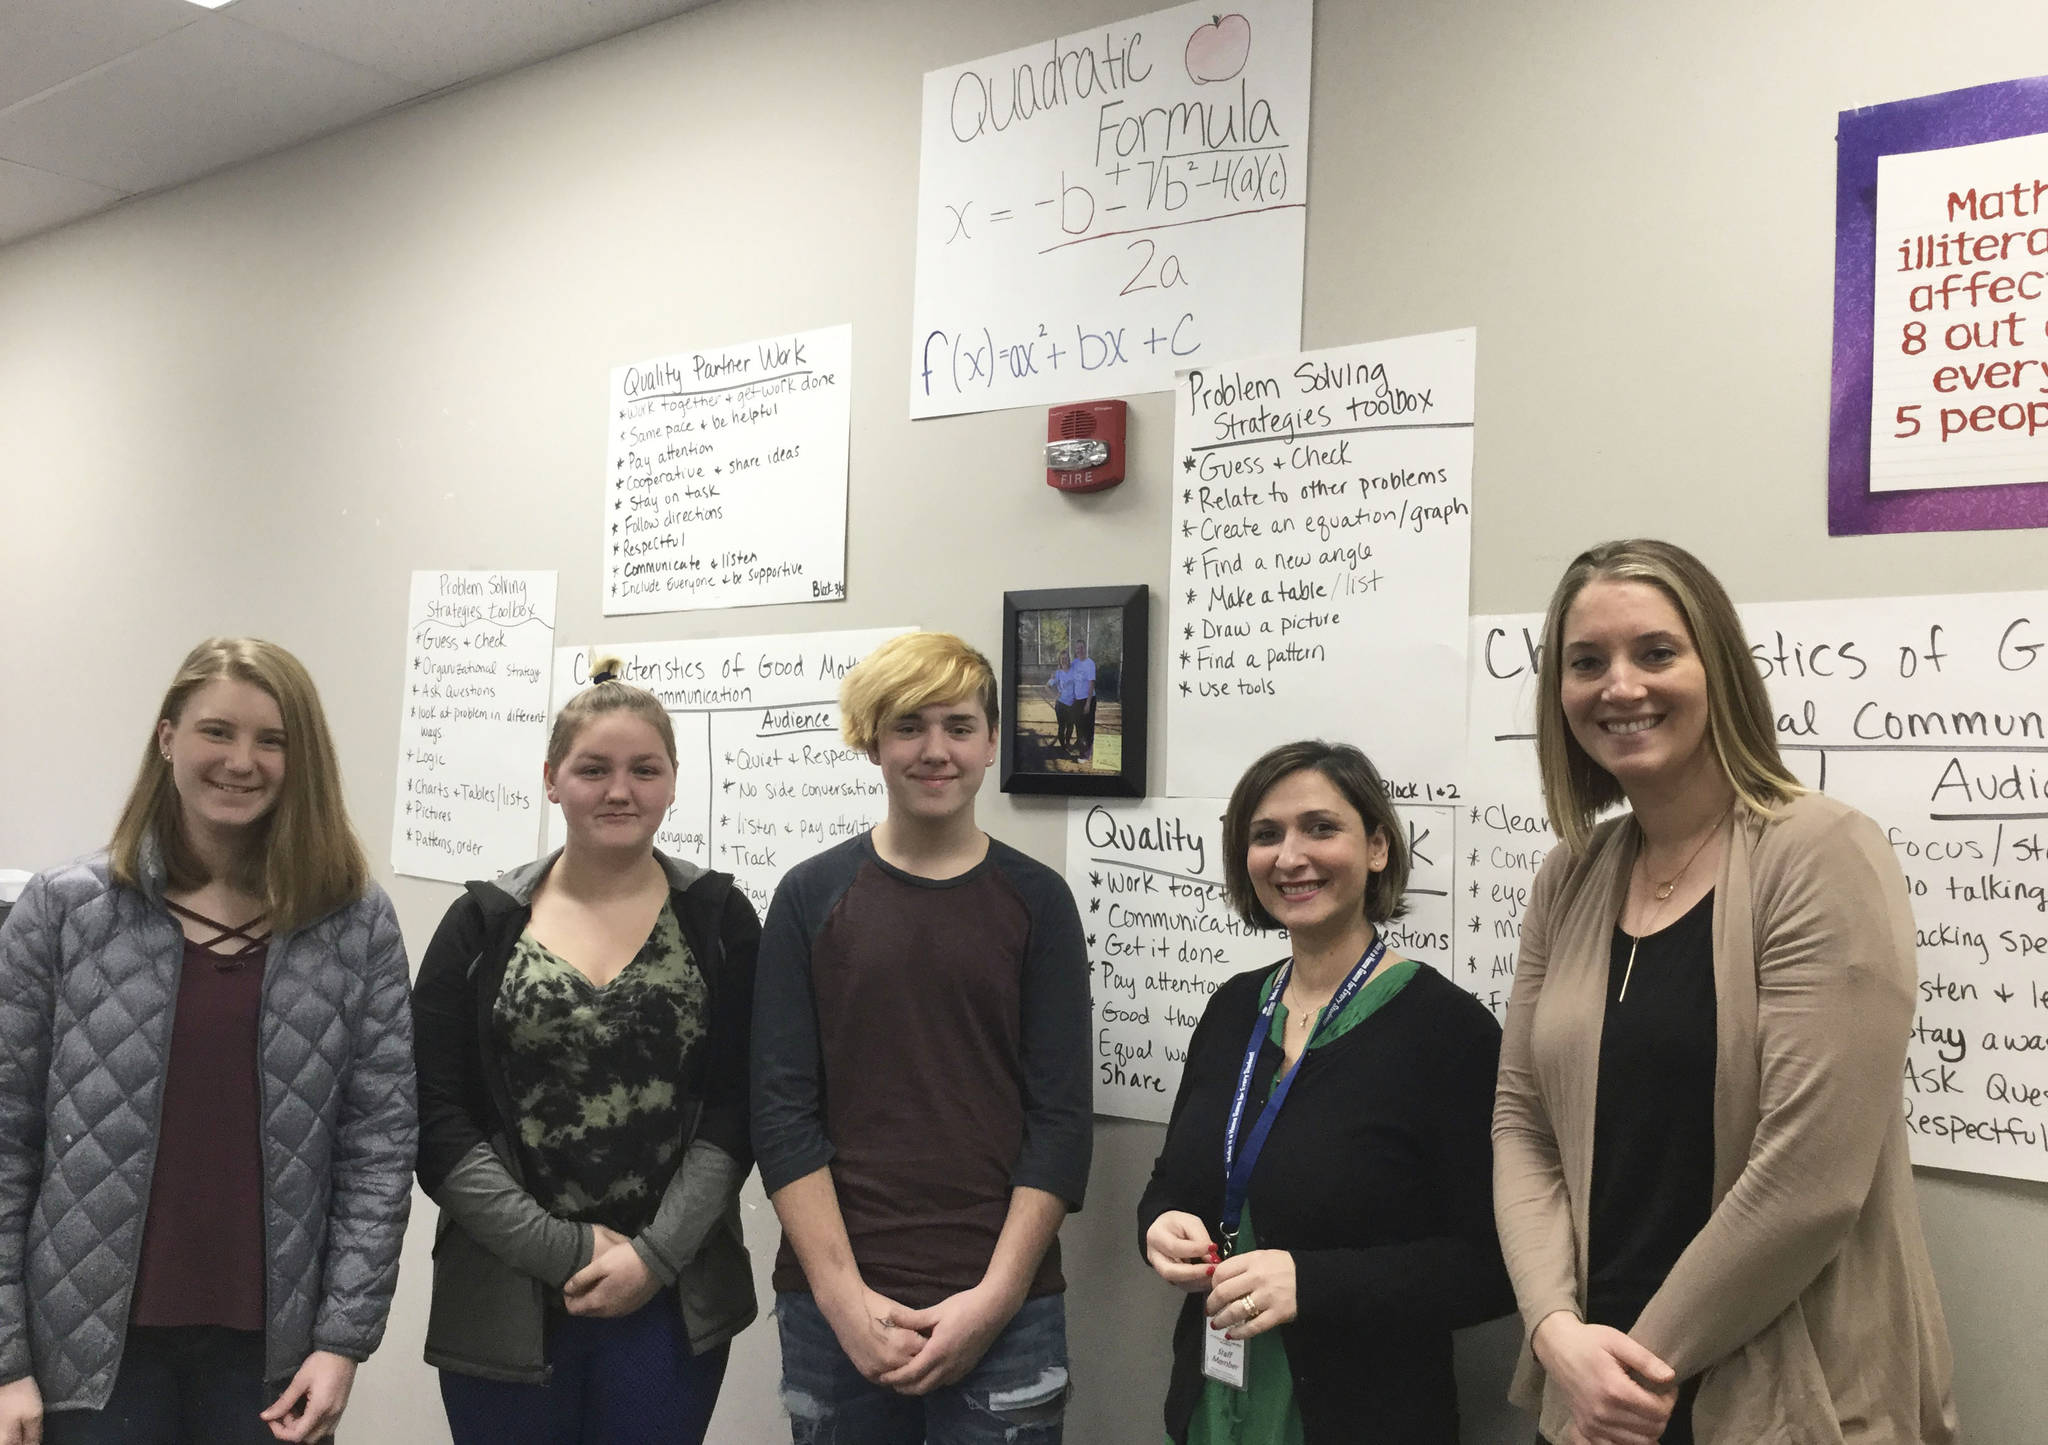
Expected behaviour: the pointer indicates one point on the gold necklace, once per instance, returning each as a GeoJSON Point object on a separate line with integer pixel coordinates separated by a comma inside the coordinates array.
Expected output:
{"type": "Point", "coordinates": [1662, 891]}
{"type": "Point", "coordinates": [1297, 1015]}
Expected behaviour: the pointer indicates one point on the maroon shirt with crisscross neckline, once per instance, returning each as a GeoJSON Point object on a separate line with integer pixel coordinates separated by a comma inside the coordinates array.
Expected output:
{"type": "Point", "coordinates": [202, 1244]}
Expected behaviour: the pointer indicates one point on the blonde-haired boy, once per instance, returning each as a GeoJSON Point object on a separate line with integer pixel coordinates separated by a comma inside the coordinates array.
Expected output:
{"type": "Point", "coordinates": [922, 1087]}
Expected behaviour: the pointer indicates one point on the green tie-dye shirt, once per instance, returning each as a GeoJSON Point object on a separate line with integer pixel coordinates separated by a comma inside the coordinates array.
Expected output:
{"type": "Point", "coordinates": [596, 1074]}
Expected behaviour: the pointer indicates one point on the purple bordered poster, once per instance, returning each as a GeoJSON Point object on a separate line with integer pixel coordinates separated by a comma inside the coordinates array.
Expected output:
{"type": "Point", "coordinates": [1950, 342]}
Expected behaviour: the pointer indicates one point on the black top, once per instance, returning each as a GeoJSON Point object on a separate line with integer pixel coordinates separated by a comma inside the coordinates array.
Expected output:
{"type": "Point", "coordinates": [1378, 1179]}
{"type": "Point", "coordinates": [1653, 1124]}
{"type": "Point", "coordinates": [928, 1039]}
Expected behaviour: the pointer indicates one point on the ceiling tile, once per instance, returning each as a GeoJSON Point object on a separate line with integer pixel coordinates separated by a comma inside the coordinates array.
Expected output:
{"type": "Point", "coordinates": [447, 41]}
{"type": "Point", "coordinates": [33, 200]}
{"type": "Point", "coordinates": [46, 42]}
{"type": "Point", "coordinates": [202, 97]}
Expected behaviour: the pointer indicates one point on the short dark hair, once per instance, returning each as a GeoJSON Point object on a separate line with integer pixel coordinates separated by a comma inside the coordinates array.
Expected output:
{"type": "Point", "coordinates": [1351, 772]}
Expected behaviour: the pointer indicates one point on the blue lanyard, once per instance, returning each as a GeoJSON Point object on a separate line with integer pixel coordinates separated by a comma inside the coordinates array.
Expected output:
{"type": "Point", "coordinates": [1237, 1167]}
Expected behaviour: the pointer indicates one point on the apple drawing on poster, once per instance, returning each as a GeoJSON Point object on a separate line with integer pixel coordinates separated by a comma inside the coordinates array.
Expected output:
{"type": "Point", "coordinates": [1218, 50]}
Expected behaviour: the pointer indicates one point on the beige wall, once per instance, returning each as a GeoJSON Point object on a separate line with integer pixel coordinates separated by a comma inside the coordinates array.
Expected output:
{"type": "Point", "coordinates": [255, 404]}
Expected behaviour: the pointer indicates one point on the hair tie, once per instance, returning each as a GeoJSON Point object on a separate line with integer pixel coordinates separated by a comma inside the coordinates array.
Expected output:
{"type": "Point", "coordinates": [606, 676]}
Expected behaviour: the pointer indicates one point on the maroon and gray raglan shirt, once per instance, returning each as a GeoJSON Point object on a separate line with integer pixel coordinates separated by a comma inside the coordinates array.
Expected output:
{"type": "Point", "coordinates": [928, 1040]}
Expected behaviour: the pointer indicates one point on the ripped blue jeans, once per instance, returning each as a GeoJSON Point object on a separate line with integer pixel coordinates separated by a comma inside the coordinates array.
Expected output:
{"type": "Point", "coordinates": [1016, 1395]}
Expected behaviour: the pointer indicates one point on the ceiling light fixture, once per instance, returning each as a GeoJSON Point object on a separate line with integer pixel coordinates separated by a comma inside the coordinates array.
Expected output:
{"type": "Point", "coordinates": [211, 4]}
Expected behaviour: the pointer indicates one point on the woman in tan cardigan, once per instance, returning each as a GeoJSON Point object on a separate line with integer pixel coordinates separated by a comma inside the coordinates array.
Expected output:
{"type": "Point", "coordinates": [1700, 1168]}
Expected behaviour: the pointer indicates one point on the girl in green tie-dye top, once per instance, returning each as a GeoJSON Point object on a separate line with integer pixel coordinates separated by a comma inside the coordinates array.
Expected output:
{"type": "Point", "coordinates": [582, 1051]}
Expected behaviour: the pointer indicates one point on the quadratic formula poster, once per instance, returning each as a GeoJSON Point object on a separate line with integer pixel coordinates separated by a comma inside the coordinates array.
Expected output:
{"type": "Point", "coordinates": [1100, 210]}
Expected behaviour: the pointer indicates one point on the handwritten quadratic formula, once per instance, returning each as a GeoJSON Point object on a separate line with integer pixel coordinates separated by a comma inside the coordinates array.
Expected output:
{"type": "Point", "coordinates": [1096, 212]}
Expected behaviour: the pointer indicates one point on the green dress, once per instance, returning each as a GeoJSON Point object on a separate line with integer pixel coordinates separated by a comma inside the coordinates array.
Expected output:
{"type": "Point", "coordinates": [1264, 1412]}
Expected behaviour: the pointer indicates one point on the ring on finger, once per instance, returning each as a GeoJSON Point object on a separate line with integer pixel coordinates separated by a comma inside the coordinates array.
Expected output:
{"type": "Point", "coordinates": [1251, 1308]}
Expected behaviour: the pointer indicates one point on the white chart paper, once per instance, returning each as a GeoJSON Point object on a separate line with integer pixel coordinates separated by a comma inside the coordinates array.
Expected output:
{"type": "Point", "coordinates": [477, 653]}
{"type": "Point", "coordinates": [1100, 210]}
{"type": "Point", "coordinates": [1930, 714]}
{"type": "Point", "coordinates": [763, 779]}
{"type": "Point", "coordinates": [1959, 376]}
{"type": "Point", "coordinates": [1321, 551]}
{"type": "Point", "coordinates": [725, 476]}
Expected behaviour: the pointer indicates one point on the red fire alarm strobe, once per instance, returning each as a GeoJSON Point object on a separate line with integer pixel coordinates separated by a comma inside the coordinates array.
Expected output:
{"type": "Point", "coordinates": [1084, 446]}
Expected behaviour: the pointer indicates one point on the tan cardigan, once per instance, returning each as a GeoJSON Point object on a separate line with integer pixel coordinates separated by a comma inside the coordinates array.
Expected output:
{"type": "Point", "coordinates": [1807, 1299]}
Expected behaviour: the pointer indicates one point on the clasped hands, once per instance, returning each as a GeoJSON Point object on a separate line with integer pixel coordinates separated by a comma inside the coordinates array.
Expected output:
{"type": "Point", "coordinates": [1620, 1393]}
{"type": "Point", "coordinates": [1248, 1293]}
{"type": "Point", "coordinates": [914, 1352]}
{"type": "Point", "coordinates": [615, 1282]}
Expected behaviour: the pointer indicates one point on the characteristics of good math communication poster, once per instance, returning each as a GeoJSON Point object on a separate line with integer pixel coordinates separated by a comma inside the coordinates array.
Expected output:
{"type": "Point", "coordinates": [475, 724]}
{"type": "Point", "coordinates": [1098, 211]}
{"type": "Point", "coordinates": [1959, 375]}
{"type": "Point", "coordinates": [763, 780]}
{"type": "Point", "coordinates": [1930, 714]}
{"type": "Point", "coordinates": [725, 476]}
{"type": "Point", "coordinates": [1321, 550]}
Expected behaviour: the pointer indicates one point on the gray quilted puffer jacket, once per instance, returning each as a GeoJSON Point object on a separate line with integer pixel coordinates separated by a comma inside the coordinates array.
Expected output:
{"type": "Point", "coordinates": [88, 980]}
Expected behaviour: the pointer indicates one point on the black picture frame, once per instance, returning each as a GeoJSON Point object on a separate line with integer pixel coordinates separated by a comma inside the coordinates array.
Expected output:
{"type": "Point", "coordinates": [1047, 748]}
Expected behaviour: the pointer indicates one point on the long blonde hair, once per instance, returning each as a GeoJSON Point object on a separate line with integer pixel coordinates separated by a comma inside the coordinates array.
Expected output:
{"type": "Point", "coordinates": [1740, 729]}
{"type": "Point", "coordinates": [303, 860]}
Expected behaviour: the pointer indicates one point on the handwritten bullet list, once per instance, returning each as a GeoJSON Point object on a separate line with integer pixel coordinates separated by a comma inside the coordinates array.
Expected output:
{"type": "Point", "coordinates": [726, 476]}
{"type": "Point", "coordinates": [1927, 714]}
{"type": "Point", "coordinates": [1320, 546]}
{"type": "Point", "coordinates": [474, 722]}
{"type": "Point", "coordinates": [1161, 937]}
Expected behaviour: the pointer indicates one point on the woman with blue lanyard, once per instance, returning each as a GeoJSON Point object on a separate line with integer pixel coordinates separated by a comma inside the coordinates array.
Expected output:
{"type": "Point", "coordinates": [1324, 1195]}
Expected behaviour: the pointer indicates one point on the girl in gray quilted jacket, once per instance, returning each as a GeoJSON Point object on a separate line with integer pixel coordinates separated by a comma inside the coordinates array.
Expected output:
{"type": "Point", "coordinates": [207, 1125]}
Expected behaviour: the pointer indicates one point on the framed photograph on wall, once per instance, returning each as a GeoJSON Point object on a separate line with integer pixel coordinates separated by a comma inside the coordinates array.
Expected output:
{"type": "Point", "coordinates": [1074, 691]}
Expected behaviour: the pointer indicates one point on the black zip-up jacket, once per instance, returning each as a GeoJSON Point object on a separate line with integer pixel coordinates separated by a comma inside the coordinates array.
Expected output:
{"type": "Point", "coordinates": [1378, 1178]}
{"type": "Point", "coordinates": [499, 1258]}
